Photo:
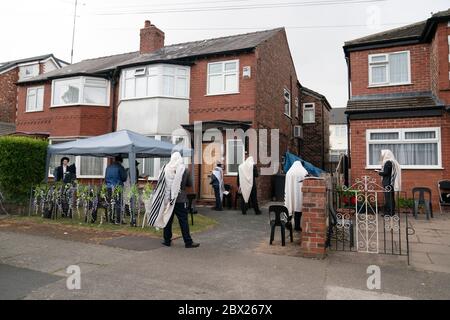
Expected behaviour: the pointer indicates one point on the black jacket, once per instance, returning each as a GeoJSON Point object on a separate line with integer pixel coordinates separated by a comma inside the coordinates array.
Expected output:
{"type": "Point", "coordinates": [70, 176]}
{"type": "Point", "coordinates": [386, 173]}
{"type": "Point", "coordinates": [186, 181]}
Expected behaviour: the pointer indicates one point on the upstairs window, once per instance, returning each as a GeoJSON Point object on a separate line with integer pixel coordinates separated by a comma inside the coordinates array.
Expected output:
{"type": "Point", "coordinates": [29, 71]}
{"type": "Point", "coordinates": [80, 90]}
{"type": "Point", "coordinates": [156, 81]}
{"type": "Point", "coordinates": [389, 69]}
{"type": "Point", "coordinates": [297, 111]}
{"type": "Point", "coordinates": [223, 77]}
{"type": "Point", "coordinates": [309, 113]}
{"type": "Point", "coordinates": [35, 99]}
{"type": "Point", "coordinates": [287, 102]}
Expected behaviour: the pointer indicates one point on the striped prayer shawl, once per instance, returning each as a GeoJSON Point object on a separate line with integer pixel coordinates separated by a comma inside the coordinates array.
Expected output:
{"type": "Point", "coordinates": [157, 206]}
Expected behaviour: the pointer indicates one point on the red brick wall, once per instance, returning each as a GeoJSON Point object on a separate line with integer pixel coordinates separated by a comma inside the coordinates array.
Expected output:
{"type": "Point", "coordinates": [8, 94]}
{"type": "Point", "coordinates": [316, 137]}
{"type": "Point", "coordinates": [238, 106]}
{"type": "Point", "coordinates": [410, 178]}
{"type": "Point", "coordinates": [61, 121]}
{"type": "Point", "coordinates": [442, 74]}
{"type": "Point", "coordinates": [274, 72]}
{"type": "Point", "coordinates": [420, 70]}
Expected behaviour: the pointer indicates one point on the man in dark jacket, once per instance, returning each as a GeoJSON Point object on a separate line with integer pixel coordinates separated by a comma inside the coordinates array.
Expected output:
{"type": "Point", "coordinates": [64, 172]}
{"type": "Point", "coordinates": [115, 176]}
{"type": "Point", "coordinates": [67, 174]}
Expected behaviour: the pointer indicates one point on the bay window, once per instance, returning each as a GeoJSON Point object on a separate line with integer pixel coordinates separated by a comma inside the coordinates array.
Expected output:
{"type": "Point", "coordinates": [223, 77]}
{"type": "Point", "coordinates": [389, 68]}
{"type": "Point", "coordinates": [413, 148]}
{"type": "Point", "coordinates": [35, 99]}
{"type": "Point", "coordinates": [80, 90]}
{"type": "Point", "coordinates": [155, 81]}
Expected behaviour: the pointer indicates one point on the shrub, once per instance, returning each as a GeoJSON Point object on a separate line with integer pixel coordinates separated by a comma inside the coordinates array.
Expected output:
{"type": "Point", "coordinates": [22, 165]}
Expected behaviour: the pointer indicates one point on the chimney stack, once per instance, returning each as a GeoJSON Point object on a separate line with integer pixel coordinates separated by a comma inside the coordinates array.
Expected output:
{"type": "Point", "coordinates": [152, 38]}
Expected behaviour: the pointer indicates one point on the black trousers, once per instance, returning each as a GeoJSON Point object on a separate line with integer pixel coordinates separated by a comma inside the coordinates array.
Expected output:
{"type": "Point", "coordinates": [180, 210]}
{"type": "Point", "coordinates": [389, 203]}
{"type": "Point", "coordinates": [253, 200]}
{"type": "Point", "coordinates": [218, 198]}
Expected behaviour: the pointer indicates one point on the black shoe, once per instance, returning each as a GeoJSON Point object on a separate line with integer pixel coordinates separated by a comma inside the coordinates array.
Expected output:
{"type": "Point", "coordinates": [192, 245]}
{"type": "Point", "coordinates": [167, 244]}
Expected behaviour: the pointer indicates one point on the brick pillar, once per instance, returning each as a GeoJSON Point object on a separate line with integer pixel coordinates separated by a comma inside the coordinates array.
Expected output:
{"type": "Point", "coordinates": [314, 219]}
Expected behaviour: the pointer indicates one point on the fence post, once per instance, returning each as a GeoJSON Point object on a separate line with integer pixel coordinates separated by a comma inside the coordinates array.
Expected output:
{"type": "Point", "coordinates": [314, 218]}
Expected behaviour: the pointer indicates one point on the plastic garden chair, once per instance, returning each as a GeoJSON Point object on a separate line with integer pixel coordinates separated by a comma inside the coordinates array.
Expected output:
{"type": "Point", "coordinates": [282, 220]}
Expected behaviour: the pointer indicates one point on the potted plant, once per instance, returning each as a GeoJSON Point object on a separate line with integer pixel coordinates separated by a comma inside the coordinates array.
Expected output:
{"type": "Point", "coordinates": [147, 195]}
{"type": "Point", "coordinates": [405, 205]}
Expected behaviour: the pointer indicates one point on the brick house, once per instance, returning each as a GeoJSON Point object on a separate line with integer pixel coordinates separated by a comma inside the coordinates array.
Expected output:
{"type": "Point", "coordinates": [315, 145]}
{"type": "Point", "coordinates": [338, 134]}
{"type": "Point", "coordinates": [232, 82]}
{"type": "Point", "coordinates": [399, 96]}
{"type": "Point", "coordinates": [13, 71]}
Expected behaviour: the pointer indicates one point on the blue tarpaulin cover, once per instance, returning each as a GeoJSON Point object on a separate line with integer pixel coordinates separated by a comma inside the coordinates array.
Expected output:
{"type": "Point", "coordinates": [290, 158]}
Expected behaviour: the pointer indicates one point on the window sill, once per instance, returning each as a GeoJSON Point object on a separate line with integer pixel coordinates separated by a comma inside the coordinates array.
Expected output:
{"type": "Point", "coordinates": [230, 174]}
{"type": "Point", "coordinates": [32, 111]}
{"type": "Point", "coordinates": [79, 105]}
{"type": "Point", "coordinates": [221, 94]}
{"type": "Point", "coordinates": [154, 97]}
{"type": "Point", "coordinates": [411, 168]}
{"type": "Point", "coordinates": [389, 85]}
{"type": "Point", "coordinates": [309, 122]}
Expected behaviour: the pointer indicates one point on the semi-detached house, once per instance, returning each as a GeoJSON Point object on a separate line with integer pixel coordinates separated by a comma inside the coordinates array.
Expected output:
{"type": "Point", "coordinates": [399, 93]}
{"type": "Point", "coordinates": [243, 81]}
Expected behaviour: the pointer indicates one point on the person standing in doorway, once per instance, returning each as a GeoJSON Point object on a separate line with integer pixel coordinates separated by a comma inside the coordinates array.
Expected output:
{"type": "Point", "coordinates": [246, 181]}
{"type": "Point", "coordinates": [218, 186]}
{"type": "Point", "coordinates": [391, 181]}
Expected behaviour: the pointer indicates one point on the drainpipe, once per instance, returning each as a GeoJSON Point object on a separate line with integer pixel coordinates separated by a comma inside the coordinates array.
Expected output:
{"type": "Point", "coordinates": [349, 79]}
{"type": "Point", "coordinates": [113, 100]}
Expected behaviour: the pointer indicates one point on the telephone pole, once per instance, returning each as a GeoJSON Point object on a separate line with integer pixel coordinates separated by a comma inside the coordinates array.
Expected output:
{"type": "Point", "coordinates": [73, 32]}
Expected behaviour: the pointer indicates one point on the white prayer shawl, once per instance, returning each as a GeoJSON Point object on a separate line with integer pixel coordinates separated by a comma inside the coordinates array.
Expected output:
{"type": "Point", "coordinates": [167, 189]}
{"type": "Point", "coordinates": [246, 177]}
{"type": "Point", "coordinates": [396, 176]}
{"type": "Point", "coordinates": [293, 198]}
{"type": "Point", "coordinates": [218, 173]}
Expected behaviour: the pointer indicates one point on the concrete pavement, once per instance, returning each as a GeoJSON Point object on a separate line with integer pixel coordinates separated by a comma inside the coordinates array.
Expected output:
{"type": "Point", "coordinates": [232, 263]}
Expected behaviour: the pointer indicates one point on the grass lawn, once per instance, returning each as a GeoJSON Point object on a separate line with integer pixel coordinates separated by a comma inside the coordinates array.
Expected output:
{"type": "Point", "coordinates": [201, 223]}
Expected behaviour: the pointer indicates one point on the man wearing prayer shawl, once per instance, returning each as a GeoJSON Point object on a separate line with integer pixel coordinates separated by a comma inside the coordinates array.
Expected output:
{"type": "Point", "coordinates": [218, 186]}
{"type": "Point", "coordinates": [391, 181]}
{"type": "Point", "coordinates": [246, 182]}
{"type": "Point", "coordinates": [170, 198]}
{"type": "Point", "coordinates": [293, 198]}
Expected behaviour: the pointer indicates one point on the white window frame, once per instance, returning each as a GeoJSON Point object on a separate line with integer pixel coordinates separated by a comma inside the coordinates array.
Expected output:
{"type": "Point", "coordinates": [27, 107]}
{"type": "Point", "coordinates": [228, 173]}
{"type": "Point", "coordinates": [160, 81]}
{"type": "Point", "coordinates": [81, 83]}
{"type": "Point", "coordinates": [387, 63]}
{"type": "Point", "coordinates": [297, 106]}
{"type": "Point", "coordinates": [288, 100]}
{"type": "Point", "coordinates": [157, 161]}
{"type": "Point", "coordinates": [78, 163]}
{"type": "Point", "coordinates": [402, 140]}
{"type": "Point", "coordinates": [24, 66]}
{"type": "Point", "coordinates": [313, 111]}
{"type": "Point", "coordinates": [223, 73]}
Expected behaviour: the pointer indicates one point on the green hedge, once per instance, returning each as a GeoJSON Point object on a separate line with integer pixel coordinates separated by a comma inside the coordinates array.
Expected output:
{"type": "Point", "coordinates": [22, 165]}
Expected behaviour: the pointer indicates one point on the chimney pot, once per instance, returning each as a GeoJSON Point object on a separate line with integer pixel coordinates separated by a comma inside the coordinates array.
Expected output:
{"type": "Point", "coordinates": [147, 24]}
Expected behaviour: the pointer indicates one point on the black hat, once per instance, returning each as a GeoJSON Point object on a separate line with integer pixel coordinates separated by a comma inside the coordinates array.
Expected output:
{"type": "Point", "coordinates": [65, 158]}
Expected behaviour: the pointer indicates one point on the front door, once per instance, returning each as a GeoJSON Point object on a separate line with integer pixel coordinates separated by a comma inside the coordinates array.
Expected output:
{"type": "Point", "coordinates": [211, 154]}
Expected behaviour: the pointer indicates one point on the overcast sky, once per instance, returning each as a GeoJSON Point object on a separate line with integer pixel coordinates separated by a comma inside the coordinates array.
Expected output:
{"type": "Point", "coordinates": [316, 29]}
